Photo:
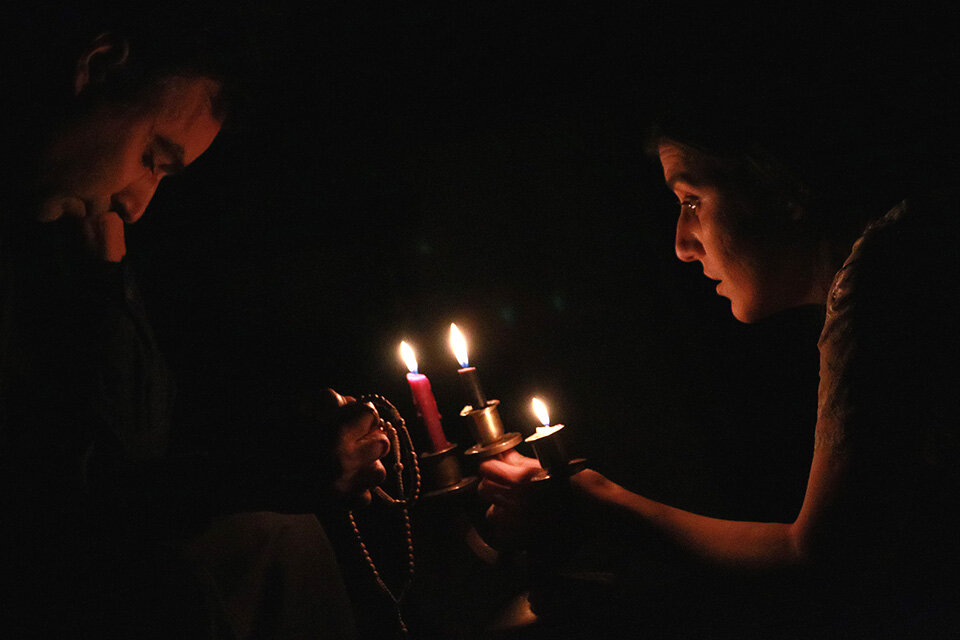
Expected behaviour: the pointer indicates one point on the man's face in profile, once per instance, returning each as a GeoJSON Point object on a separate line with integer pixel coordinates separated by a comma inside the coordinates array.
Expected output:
{"type": "Point", "coordinates": [112, 157]}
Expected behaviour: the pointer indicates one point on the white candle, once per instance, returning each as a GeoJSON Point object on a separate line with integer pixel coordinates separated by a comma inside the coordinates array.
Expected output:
{"type": "Point", "coordinates": [540, 410]}
{"type": "Point", "coordinates": [546, 441]}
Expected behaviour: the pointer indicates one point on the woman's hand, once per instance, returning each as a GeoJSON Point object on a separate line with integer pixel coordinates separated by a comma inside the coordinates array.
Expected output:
{"type": "Point", "coordinates": [505, 483]}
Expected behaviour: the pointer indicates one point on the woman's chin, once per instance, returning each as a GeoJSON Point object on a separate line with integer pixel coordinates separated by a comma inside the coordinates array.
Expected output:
{"type": "Point", "coordinates": [744, 313]}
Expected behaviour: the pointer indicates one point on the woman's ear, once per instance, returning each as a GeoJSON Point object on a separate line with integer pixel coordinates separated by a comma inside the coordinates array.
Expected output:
{"type": "Point", "coordinates": [104, 56]}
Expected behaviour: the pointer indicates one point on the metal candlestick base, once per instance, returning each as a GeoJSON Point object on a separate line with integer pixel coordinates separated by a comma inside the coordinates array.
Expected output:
{"type": "Point", "coordinates": [488, 430]}
{"type": "Point", "coordinates": [441, 473]}
{"type": "Point", "coordinates": [563, 471]}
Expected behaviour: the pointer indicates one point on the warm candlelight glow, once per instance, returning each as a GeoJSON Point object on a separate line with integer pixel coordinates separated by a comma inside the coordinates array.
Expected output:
{"type": "Point", "coordinates": [409, 358]}
{"type": "Point", "coordinates": [459, 345]}
{"type": "Point", "coordinates": [540, 410]}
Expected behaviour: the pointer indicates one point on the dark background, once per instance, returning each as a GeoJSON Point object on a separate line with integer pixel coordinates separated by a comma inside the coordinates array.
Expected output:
{"type": "Point", "coordinates": [419, 164]}
{"type": "Point", "coordinates": [406, 165]}
{"type": "Point", "coordinates": [409, 165]}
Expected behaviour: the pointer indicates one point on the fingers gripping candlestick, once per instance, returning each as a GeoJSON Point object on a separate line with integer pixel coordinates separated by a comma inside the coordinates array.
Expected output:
{"type": "Point", "coordinates": [485, 420]}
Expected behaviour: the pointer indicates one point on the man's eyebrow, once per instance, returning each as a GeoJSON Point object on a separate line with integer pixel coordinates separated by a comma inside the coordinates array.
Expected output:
{"type": "Point", "coordinates": [174, 153]}
{"type": "Point", "coordinates": [686, 178]}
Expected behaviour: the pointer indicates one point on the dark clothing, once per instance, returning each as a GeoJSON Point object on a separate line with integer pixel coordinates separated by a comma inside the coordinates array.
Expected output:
{"type": "Point", "coordinates": [104, 498]}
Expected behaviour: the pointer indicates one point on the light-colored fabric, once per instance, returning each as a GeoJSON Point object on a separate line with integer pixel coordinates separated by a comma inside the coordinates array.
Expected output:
{"type": "Point", "coordinates": [839, 340]}
{"type": "Point", "coordinates": [888, 406]}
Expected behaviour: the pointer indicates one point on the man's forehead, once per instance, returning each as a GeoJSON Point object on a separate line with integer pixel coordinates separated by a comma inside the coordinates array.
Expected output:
{"type": "Point", "coordinates": [186, 114]}
{"type": "Point", "coordinates": [187, 99]}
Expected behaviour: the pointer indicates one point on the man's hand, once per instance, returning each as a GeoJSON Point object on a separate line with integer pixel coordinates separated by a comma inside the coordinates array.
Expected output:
{"type": "Point", "coordinates": [505, 483]}
{"type": "Point", "coordinates": [362, 441]}
{"type": "Point", "coordinates": [100, 230]}
{"type": "Point", "coordinates": [104, 238]}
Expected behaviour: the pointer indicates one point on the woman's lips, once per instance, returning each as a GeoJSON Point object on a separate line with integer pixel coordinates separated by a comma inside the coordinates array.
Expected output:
{"type": "Point", "coordinates": [718, 280]}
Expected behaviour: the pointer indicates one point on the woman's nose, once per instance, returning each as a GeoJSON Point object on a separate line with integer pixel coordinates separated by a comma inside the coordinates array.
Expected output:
{"type": "Point", "coordinates": [687, 245]}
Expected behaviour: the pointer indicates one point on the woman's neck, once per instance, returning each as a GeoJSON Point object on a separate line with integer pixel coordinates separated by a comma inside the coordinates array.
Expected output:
{"type": "Point", "coordinates": [828, 258]}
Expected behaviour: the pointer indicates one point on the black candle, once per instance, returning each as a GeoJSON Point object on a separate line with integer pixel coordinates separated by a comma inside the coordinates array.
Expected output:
{"type": "Point", "coordinates": [471, 385]}
{"type": "Point", "coordinates": [468, 374]}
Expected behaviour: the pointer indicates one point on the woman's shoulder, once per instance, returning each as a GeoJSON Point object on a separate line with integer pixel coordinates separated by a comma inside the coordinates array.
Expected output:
{"type": "Point", "coordinates": [890, 337]}
{"type": "Point", "coordinates": [913, 246]}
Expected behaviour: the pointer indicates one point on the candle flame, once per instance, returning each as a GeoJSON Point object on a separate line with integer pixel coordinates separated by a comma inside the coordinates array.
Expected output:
{"type": "Point", "coordinates": [459, 345]}
{"type": "Point", "coordinates": [540, 410]}
{"type": "Point", "coordinates": [409, 357]}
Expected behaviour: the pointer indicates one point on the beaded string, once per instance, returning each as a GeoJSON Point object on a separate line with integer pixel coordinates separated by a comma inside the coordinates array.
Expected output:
{"type": "Point", "coordinates": [405, 501]}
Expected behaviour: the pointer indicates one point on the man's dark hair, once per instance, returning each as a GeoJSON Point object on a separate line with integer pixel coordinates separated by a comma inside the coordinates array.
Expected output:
{"type": "Point", "coordinates": [162, 44]}
{"type": "Point", "coordinates": [45, 41]}
{"type": "Point", "coordinates": [165, 39]}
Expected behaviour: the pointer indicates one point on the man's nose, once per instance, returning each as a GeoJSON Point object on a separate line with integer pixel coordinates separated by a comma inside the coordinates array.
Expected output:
{"type": "Point", "coordinates": [686, 244]}
{"type": "Point", "coordinates": [138, 195]}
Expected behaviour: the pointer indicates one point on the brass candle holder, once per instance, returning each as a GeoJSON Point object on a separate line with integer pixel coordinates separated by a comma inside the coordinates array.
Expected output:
{"type": "Point", "coordinates": [485, 423]}
{"type": "Point", "coordinates": [487, 428]}
{"type": "Point", "coordinates": [441, 474]}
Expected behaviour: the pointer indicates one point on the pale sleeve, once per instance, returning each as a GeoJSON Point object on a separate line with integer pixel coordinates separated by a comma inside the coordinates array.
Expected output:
{"type": "Point", "coordinates": [835, 409]}
{"type": "Point", "coordinates": [869, 373]}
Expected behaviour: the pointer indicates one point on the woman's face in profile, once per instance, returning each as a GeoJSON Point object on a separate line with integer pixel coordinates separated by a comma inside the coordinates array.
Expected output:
{"type": "Point", "coordinates": [758, 275]}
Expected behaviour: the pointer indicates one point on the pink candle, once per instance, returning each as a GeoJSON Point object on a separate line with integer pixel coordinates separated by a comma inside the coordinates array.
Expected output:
{"type": "Point", "coordinates": [424, 401]}
{"type": "Point", "coordinates": [427, 409]}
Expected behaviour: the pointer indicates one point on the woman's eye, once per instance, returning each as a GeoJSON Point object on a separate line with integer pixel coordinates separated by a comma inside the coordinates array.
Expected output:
{"type": "Point", "coordinates": [147, 160]}
{"type": "Point", "coordinates": [689, 205]}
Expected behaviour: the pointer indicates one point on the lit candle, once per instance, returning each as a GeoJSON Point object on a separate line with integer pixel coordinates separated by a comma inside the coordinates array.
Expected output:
{"type": "Point", "coordinates": [423, 399]}
{"type": "Point", "coordinates": [468, 374]}
{"type": "Point", "coordinates": [546, 441]}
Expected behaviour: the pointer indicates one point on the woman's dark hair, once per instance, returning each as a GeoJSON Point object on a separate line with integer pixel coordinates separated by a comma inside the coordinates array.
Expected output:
{"type": "Point", "coordinates": [841, 151]}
